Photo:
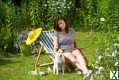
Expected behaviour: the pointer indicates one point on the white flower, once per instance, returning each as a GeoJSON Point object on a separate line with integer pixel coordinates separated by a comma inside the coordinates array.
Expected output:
{"type": "Point", "coordinates": [45, 5]}
{"type": "Point", "coordinates": [116, 64]}
{"type": "Point", "coordinates": [64, 6]}
{"type": "Point", "coordinates": [107, 48]}
{"type": "Point", "coordinates": [115, 51]}
{"type": "Point", "coordinates": [58, 7]}
{"type": "Point", "coordinates": [102, 19]}
{"type": "Point", "coordinates": [118, 37]}
{"type": "Point", "coordinates": [97, 62]}
{"type": "Point", "coordinates": [100, 57]}
{"type": "Point", "coordinates": [113, 54]}
{"type": "Point", "coordinates": [92, 65]}
{"type": "Point", "coordinates": [96, 67]}
{"type": "Point", "coordinates": [100, 70]}
{"type": "Point", "coordinates": [116, 44]}
{"type": "Point", "coordinates": [70, 3]}
{"type": "Point", "coordinates": [68, 7]}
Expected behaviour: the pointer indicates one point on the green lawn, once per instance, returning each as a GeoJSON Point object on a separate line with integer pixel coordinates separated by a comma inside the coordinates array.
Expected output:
{"type": "Point", "coordinates": [17, 67]}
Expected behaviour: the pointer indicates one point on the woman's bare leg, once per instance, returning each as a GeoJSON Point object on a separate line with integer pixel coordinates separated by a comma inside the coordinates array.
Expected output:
{"type": "Point", "coordinates": [81, 60]}
{"type": "Point", "coordinates": [72, 58]}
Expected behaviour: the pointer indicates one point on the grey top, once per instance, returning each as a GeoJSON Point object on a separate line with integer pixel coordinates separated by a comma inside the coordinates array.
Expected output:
{"type": "Point", "coordinates": [66, 40]}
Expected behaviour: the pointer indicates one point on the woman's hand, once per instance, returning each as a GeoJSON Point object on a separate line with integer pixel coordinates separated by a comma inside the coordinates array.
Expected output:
{"type": "Point", "coordinates": [60, 51]}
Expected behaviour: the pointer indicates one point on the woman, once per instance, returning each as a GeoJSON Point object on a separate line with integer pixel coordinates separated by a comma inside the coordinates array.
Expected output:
{"type": "Point", "coordinates": [64, 42]}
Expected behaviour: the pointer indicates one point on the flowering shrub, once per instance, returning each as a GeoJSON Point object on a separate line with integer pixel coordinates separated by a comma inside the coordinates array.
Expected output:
{"type": "Point", "coordinates": [53, 8]}
{"type": "Point", "coordinates": [91, 15]}
{"type": "Point", "coordinates": [23, 48]}
{"type": "Point", "coordinates": [106, 61]}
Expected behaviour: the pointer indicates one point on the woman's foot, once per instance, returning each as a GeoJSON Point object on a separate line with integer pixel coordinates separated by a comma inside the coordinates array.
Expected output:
{"type": "Point", "coordinates": [88, 73]}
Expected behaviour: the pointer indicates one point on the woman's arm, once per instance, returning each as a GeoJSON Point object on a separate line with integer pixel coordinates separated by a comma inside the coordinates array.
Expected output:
{"type": "Point", "coordinates": [55, 43]}
{"type": "Point", "coordinates": [56, 46]}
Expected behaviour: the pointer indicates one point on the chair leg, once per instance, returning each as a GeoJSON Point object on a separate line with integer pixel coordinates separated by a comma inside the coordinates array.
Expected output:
{"type": "Point", "coordinates": [37, 59]}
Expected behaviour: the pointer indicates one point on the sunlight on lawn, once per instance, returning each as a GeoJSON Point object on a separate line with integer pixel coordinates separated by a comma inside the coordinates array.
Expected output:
{"type": "Point", "coordinates": [17, 67]}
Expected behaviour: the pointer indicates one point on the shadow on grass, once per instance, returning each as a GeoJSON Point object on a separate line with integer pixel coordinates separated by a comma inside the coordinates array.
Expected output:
{"type": "Point", "coordinates": [5, 61]}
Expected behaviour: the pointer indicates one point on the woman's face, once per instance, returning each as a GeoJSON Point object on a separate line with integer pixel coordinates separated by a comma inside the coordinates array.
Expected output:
{"type": "Point", "coordinates": [62, 24]}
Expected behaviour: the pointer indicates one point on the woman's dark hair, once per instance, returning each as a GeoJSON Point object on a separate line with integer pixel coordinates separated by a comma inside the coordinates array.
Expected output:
{"type": "Point", "coordinates": [56, 26]}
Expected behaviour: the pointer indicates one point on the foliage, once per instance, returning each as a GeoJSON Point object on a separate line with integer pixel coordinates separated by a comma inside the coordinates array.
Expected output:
{"type": "Point", "coordinates": [87, 15]}
{"type": "Point", "coordinates": [106, 59]}
{"type": "Point", "coordinates": [25, 50]}
{"type": "Point", "coordinates": [14, 18]}
{"type": "Point", "coordinates": [59, 8]}
{"type": "Point", "coordinates": [7, 29]}
{"type": "Point", "coordinates": [91, 12]}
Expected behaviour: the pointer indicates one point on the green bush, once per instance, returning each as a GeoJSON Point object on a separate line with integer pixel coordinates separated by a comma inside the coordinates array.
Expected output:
{"type": "Point", "coordinates": [90, 15]}
{"type": "Point", "coordinates": [106, 58]}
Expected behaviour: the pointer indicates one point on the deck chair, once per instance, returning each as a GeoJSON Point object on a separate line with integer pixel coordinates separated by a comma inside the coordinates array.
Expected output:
{"type": "Point", "coordinates": [46, 38]}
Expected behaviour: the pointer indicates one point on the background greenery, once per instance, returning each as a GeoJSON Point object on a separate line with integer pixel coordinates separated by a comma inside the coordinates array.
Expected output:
{"type": "Point", "coordinates": [83, 15]}
{"type": "Point", "coordinates": [96, 23]}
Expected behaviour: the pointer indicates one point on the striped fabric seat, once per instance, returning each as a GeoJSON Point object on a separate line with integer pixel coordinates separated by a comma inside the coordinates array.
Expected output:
{"type": "Point", "coordinates": [46, 39]}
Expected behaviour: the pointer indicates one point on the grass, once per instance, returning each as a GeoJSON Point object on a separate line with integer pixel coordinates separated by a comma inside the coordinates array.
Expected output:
{"type": "Point", "coordinates": [17, 67]}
